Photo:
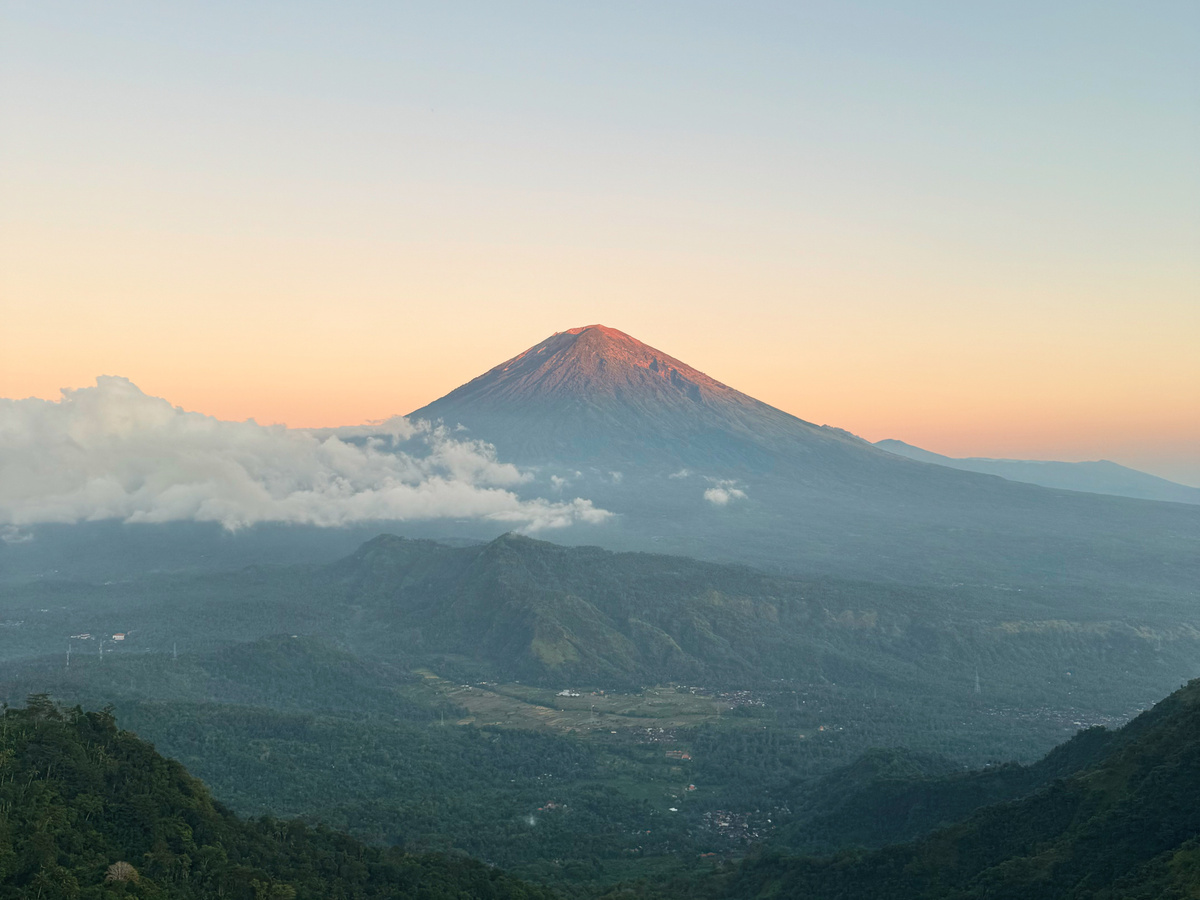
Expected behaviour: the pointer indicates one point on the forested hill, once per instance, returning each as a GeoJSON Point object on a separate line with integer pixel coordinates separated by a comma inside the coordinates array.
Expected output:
{"type": "Point", "coordinates": [518, 608]}
{"type": "Point", "coordinates": [1128, 827]}
{"type": "Point", "coordinates": [89, 811]}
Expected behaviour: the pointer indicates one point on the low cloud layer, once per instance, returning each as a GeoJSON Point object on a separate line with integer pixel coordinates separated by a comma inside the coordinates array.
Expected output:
{"type": "Point", "coordinates": [112, 452]}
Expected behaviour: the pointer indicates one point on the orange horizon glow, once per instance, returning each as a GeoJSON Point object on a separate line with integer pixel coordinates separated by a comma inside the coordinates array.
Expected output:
{"type": "Point", "coordinates": [266, 332]}
{"type": "Point", "coordinates": [992, 414]}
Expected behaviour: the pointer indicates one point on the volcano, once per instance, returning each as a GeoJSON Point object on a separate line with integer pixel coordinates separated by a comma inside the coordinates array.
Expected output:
{"type": "Point", "coordinates": [596, 396]}
{"type": "Point", "coordinates": [693, 466]}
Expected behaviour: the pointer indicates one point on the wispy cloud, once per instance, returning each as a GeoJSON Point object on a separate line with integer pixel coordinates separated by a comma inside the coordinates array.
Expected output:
{"type": "Point", "coordinates": [113, 452]}
{"type": "Point", "coordinates": [11, 534]}
{"type": "Point", "coordinates": [723, 491]}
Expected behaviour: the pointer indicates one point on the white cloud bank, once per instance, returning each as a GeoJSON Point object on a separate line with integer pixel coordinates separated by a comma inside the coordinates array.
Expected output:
{"type": "Point", "coordinates": [112, 452]}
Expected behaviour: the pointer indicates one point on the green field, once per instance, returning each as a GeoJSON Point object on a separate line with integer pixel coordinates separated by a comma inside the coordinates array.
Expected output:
{"type": "Point", "coordinates": [516, 705]}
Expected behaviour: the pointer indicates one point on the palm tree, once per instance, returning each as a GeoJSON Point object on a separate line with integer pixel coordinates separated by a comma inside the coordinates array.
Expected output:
{"type": "Point", "coordinates": [121, 871]}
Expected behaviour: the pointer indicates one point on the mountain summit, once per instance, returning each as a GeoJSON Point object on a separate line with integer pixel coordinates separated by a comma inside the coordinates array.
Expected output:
{"type": "Point", "coordinates": [591, 363]}
{"type": "Point", "coordinates": [596, 395]}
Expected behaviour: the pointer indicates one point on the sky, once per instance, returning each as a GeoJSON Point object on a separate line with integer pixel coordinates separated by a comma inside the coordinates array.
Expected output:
{"type": "Point", "coordinates": [974, 227]}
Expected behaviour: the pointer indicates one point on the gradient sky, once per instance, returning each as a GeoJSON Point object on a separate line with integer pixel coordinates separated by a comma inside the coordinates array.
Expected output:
{"type": "Point", "coordinates": [971, 226]}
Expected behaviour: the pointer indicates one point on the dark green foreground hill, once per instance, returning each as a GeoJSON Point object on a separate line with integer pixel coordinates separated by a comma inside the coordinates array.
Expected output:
{"type": "Point", "coordinates": [1127, 827]}
{"type": "Point", "coordinates": [89, 811]}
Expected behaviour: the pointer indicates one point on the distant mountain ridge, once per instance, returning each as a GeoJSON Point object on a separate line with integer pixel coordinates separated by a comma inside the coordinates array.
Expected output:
{"type": "Point", "coordinates": [1094, 477]}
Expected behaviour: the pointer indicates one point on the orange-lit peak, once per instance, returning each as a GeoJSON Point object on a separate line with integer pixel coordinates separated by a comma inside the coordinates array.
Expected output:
{"type": "Point", "coordinates": [594, 363]}
{"type": "Point", "coordinates": [595, 387]}
{"type": "Point", "coordinates": [604, 329]}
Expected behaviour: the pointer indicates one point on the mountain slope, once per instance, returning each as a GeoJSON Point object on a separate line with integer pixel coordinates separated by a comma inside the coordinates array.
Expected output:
{"type": "Point", "coordinates": [87, 810]}
{"type": "Point", "coordinates": [589, 394]}
{"type": "Point", "coordinates": [534, 610]}
{"type": "Point", "coordinates": [890, 796]}
{"type": "Point", "coordinates": [523, 609]}
{"type": "Point", "coordinates": [1097, 477]}
{"type": "Point", "coordinates": [1128, 826]}
{"type": "Point", "coordinates": [520, 609]}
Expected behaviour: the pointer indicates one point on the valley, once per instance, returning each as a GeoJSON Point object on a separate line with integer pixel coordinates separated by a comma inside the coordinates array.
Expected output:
{"type": "Point", "coordinates": [405, 693]}
{"type": "Point", "coordinates": [568, 710]}
{"type": "Point", "coordinates": [563, 815]}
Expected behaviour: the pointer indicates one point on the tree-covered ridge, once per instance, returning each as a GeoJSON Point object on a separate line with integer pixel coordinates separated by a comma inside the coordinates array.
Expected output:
{"type": "Point", "coordinates": [90, 811]}
{"type": "Point", "coordinates": [532, 610]}
{"type": "Point", "coordinates": [519, 609]}
{"type": "Point", "coordinates": [893, 795]}
{"type": "Point", "coordinates": [1127, 827]}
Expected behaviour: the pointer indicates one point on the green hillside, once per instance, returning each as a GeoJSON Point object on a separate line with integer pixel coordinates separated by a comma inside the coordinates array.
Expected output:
{"type": "Point", "coordinates": [894, 795]}
{"type": "Point", "coordinates": [89, 811]}
{"type": "Point", "coordinates": [531, 610]}
{"type": "Point", "coordinates": [520, 609]}
{"type": "Point", "coordinates": [1127, 826]}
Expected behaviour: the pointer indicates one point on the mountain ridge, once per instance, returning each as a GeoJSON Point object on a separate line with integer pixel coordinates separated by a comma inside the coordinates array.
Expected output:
{"type": "Point", "coordinates": [1100, 476]}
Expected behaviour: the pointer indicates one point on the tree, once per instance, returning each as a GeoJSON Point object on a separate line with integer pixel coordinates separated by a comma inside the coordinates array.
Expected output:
{"type": "Point", "coordinates": [121, 871]}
